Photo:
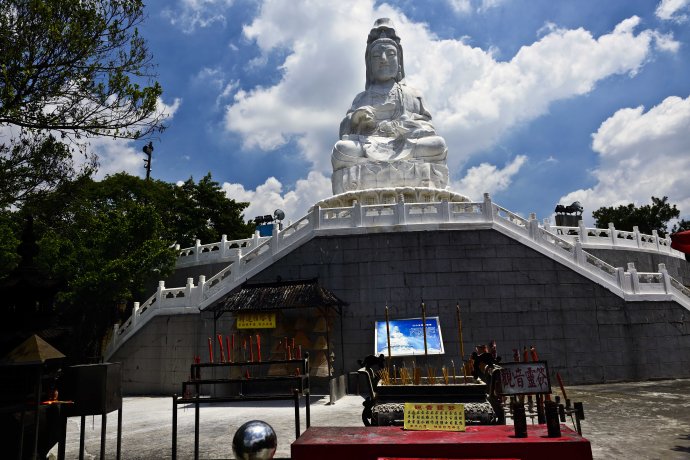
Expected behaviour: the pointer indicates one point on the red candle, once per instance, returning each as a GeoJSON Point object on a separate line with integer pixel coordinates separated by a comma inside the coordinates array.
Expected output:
{"type": "Point", "coordinates": [244, 350]}
{"type": "Point", "coordinates": [220, 343]}
{"type": "Point", "coordinates": [227, 345]}
{"type": "Point", "coordinates": [299, 352]}
{"type": "Point", "coordinates": [293, 343]}
{"type": "Point", "coordinates": [232, 356]}
{"type": "Point", "coordinates": [247, 374]}
{"type": "Point", "coordinates": [258, 346]}
{"type": "Point", "coordinates": [251, 349]}
{"type": "Point", "coordinates": [289, 350]}
{"type": "Point", "coordinates": [210, 350]}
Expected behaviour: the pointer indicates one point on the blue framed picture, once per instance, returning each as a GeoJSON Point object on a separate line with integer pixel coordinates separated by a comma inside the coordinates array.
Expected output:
{"type": "Point", "coordinates": [407, 337]}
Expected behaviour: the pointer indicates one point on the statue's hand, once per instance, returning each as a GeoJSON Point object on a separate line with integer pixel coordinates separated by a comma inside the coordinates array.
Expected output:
{"type": "Point", "coordinates": [363, 120]}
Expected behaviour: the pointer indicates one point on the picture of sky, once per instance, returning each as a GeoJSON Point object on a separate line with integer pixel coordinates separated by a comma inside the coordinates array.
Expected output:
{"type": "Point", "coordinates": [407, 337]}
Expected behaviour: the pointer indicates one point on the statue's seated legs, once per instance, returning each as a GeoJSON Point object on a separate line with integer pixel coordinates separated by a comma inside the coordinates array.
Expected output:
{"type": "Point", "coordinates": [430, 149]}
{"type": "Point", "coordinates": [349, 152]}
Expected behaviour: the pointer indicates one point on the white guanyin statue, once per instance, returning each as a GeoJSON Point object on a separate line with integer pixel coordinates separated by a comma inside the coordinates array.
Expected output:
{"type": "Point", "coordinates": [387, 139]}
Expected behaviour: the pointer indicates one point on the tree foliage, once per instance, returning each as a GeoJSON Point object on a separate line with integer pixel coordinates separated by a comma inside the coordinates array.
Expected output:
{"type": "Point", "coordinates": [76, 67]}
{"type": "Point", "coordinates": [69, 70]}
{"type": "Point", "coordinates": [109, 242]}
{"type": "Point", "coordinates": [647, 217]}
{"type": "Point", "coordinates": [682, 225]}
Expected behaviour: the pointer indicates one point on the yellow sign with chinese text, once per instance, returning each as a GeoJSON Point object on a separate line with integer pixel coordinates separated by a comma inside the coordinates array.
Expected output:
{"type": "Point", "coordinates": [434, 417]}
{"type": "Point", "coordinates": [256, 321]}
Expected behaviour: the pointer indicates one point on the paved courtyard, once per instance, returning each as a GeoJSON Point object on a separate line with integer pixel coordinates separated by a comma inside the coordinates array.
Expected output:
{"type": "Point", "coordinates": [646, 420]}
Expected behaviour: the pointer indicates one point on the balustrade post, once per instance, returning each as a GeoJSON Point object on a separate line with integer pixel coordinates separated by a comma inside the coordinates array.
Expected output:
{"type": "Point", "coordinates": [636, 231]}
{"type": "Point", "coordinates": [188, 292]}
{"type": "Point", "coordinates": [135, 313]}
{"type": "Point", "coordinates": [583, 231]}
{"type": "Point", "coordinates": [159, 292]}
{"type": "Point", "coordinates": [634, 278]}
{"type": "Point", "coordinates": [579, 254]}
{"type": "Point", "coordinates": [547, 224]}
{"type": "Point", "coordinates": [655, 234]}
{"type": "Point", "coordinates": [488, 208]}
{"type": "Point", "coordinates": [223, 246]}
{"type": "Point", "coordinates": [199, 290]}
{"type": "Point", "coordinates": [256, 238]}
{"type": "Point", "coordinates": [665, 278]}
{"type": "Point", "coordinates": [533, 226]}
{"type": "Point", "coordinates": [116, 336]}
{"type": "Point", "coordinates": [399, 208]}
{"type": "Point", "coordinates": [356, 214]}
{"type": "Point", "coordinates": [315, 217]}
{"type": "Point", "coordinates": [612, 234]}
{"type": "Point", "coordinates": [236, 267]}
{"type": "Point", "coordinates": [445, 211]}
{"type": "Point", "coordinates": [620, 277]}
{"type": "Point", "coordinates": [197, 250]}
{"type": "Point", "coordinates": [275, 240]}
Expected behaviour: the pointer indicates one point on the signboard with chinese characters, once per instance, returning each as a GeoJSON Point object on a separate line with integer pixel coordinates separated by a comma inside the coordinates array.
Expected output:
{"type": "Point", "coordinates": [434, 417]}
{"type": "Point", "coordinates": [525, 378]}
{"type": "Point", "coordinates": [256, 321]}
{"type": "Point", "coordinates": [407, 337]}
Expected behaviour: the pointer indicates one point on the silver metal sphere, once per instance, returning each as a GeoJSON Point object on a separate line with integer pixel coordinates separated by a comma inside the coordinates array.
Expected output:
{"type": "Point", "coordinates": [255, 440]}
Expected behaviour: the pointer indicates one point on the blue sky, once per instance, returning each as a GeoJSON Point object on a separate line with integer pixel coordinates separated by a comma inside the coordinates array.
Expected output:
{"type": "Point", "coordinates": [540, 101]}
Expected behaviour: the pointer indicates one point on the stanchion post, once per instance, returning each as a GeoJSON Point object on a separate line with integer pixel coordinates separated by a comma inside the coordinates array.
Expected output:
{"type": "Point", "coordinates": [174, 428]}
{"type": "Point", "coordinates": [119, 433]}
{"type": "Point", "coordinates": [295, 393]}
{"type": "Point", "coordinates": [104, 425]}
{"type": "Point", "coordinates": [82, 433]}
{"type": "Point", "coordinates": [196, 429]}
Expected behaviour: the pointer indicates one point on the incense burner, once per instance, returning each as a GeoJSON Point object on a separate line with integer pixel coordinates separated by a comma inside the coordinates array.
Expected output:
{"type": "Point", "coordinates": [385, 403]}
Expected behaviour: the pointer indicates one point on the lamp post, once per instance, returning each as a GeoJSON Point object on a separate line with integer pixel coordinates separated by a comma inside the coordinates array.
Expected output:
{"type": "Point", "coordinates": [148, 150]}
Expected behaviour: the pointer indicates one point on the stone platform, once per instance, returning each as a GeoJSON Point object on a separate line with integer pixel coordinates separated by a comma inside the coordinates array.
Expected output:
{"type": "Point", "coordinates": [382, 174]}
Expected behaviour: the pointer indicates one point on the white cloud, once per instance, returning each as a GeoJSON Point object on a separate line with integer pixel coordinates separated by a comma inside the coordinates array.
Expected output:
{"type": "Point", "coordinates": [467, 6]}
{"type": "Point", "coordinates": [189, 15]}
{"type": "Point", "coordinates": [475, 99]}
{"type": "Point", "coordinates": [461, 6]}
{"type": "Point", "coordinates": [669, 10]}
{"type": "Point", "coordinates": [270, 196]}
{"type": "Point", "coordinates": [488, 178]}
{"type": "Point", "coordinates": [642, 154]}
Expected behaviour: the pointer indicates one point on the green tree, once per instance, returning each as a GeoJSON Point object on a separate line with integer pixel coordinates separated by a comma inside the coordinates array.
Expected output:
{"type": "Point", "coordinates": [8, 244]}
{"type": "Point", "coordinates": [647, 217]}
{"type": "Point", "coordinates": [203, 211]}
{"type": "Point", "coordinates": [76, 67]}
{"type": "Point", "coordinates": [681, 226]}
{"type": "Point", "coordinates": [110, 241]}
{"type": "Point", "coordinates": [69, 70]}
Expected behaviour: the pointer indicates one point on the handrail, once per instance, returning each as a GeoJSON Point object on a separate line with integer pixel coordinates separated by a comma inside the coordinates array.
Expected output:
{"type": "Point", "coordinates": [612, 237]}
{"type": "Point", "coordinates": [258, 253]}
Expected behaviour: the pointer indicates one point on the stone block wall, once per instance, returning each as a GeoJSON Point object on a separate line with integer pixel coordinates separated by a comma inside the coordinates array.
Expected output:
{"type": "Point", "coordinates": [507, 292]}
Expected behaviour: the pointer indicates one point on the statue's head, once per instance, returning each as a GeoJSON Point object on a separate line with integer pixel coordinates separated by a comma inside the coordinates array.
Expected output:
{"type": "Point", "coordinates": [383, 40]}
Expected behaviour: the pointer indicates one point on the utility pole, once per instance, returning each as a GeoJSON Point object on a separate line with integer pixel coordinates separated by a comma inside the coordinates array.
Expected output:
{"type": "Point", "coordinates": [148, 150]}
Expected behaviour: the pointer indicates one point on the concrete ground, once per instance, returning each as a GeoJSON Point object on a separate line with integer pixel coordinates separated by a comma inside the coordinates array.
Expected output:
{"type": "Point", "coordinates": [644, 420]}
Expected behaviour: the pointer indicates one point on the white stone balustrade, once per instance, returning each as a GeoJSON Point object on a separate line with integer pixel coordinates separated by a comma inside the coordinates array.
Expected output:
{"type": "Point", "coordinates": [612, 238]}
{"type": "Point", "coordinates": [560, 243]}
{"type": "Point", "coordinates": [222, 251]}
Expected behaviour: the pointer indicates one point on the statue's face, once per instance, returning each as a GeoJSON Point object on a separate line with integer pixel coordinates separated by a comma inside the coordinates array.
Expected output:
{"type": "Point", "coordinates": [384, 62]}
